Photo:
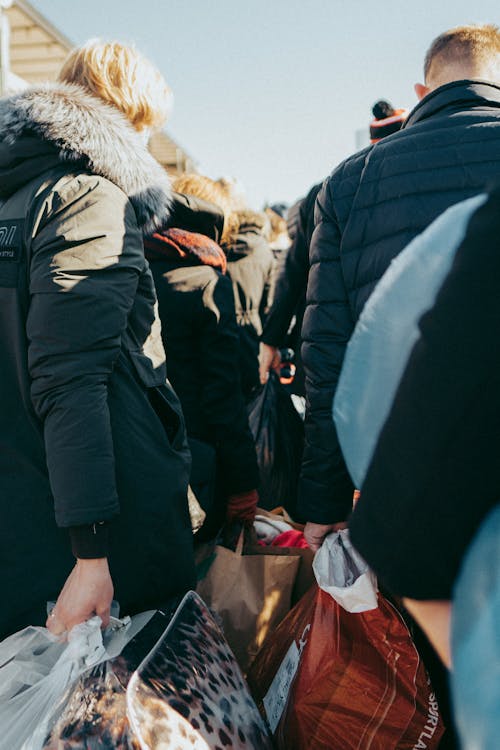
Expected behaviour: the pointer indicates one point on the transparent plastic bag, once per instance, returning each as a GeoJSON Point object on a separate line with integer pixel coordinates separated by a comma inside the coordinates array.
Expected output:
{"type": "Point", "coordinates": [36, 671]}
{"type": "Point", "coordinates": [94, 714]}
{"type": "Point", "coordinates": [95, 711]}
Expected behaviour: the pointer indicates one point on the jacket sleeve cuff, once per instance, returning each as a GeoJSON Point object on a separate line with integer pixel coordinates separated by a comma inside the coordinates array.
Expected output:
{"type": "Point", "coordinates": [90, 541]}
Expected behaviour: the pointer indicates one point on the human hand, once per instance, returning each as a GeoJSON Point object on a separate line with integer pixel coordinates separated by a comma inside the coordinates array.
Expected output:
{"type": "Point", "coordinates": [269, 359]}
{"type": "Point", "coordinates": [242, 507]}
{"type": "Point", "coordinates": [88, 591]}
{"type": "Point", "coordinates": [315, 533]}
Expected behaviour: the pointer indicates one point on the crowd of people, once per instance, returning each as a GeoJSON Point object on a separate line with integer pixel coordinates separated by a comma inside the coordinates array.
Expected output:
{"type": "Point", "coordinates": [111, 278]}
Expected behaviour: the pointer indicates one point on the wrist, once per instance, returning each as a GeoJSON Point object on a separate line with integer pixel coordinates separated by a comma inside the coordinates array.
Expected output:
{"type": "Point", "coordinates": [92, 562]}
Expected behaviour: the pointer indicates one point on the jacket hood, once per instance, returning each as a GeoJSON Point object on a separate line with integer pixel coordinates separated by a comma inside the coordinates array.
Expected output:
{"type": "Point", "coordinates": [252, 221]}
{"type": "Point", "coordinates": [457, 95]}
{"type": "Point", "coordinates": [251, 235]}
{"type": "Point", "coordinates": [190, 247]}
{"type": "Point", "coordinates": [196, 215]}
{"type": "Point", "coordinates": [50, 125]}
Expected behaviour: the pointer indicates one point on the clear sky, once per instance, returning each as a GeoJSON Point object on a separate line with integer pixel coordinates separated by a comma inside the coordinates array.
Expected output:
{"type": "Point", "coordinates": [272, 91]}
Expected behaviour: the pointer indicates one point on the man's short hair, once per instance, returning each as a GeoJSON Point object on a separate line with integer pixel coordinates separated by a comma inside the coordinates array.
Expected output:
{"type": "Point", "coordinates": [468, 46]}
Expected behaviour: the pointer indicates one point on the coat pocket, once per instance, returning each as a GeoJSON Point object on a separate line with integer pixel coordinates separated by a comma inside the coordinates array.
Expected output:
{"type": "Point", "coordinates": [168, 410]}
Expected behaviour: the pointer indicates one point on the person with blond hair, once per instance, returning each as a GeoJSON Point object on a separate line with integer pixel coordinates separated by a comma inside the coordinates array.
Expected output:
{"type": "Point", "coordinates": [94, 459]}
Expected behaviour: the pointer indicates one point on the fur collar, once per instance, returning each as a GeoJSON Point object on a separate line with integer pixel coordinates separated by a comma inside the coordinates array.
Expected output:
{"type": "Point", "coordinates": [84, 128]}
{"type": "Point", "coordinates": [190, 247]}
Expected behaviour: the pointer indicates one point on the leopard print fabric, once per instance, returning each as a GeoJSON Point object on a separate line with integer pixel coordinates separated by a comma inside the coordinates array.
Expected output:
{"type": "Point", "coordinates": [189, 693]}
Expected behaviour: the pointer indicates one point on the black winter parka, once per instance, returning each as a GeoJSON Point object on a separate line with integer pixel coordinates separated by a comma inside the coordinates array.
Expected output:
{"type": "Point", "coordinates": [372, 205]}
{"type": "Point", "coordinates": [90, 430]}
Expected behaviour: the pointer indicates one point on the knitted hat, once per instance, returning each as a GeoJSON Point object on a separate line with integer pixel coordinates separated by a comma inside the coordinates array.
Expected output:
{"type": "Point", "coordinates": [387, 120]}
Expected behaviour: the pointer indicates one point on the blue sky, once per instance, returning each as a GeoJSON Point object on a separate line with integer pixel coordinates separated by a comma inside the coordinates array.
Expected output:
{"type": "Point", "coordinates": [273, 91]}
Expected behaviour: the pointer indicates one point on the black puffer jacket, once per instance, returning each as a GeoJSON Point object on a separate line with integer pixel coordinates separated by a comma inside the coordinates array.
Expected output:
{"type": "Point", "coordinates": [251, 267]}
{"type": "Point", "coordinates": [372, 205]}
{"type": "Point", "coordinates": [290, 292]}
{"type": "Point", "coordinates": [200, 335]}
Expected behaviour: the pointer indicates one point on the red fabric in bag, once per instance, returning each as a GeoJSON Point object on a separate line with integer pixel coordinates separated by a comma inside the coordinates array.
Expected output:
{"type": "Point", "coordinates": [360, 683]}
{"type": "Point", "coordinates": [291, 538]}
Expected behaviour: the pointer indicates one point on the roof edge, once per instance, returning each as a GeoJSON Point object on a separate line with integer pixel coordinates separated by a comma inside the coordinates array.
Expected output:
{"type": "Point", "coordinates": [36, 16]}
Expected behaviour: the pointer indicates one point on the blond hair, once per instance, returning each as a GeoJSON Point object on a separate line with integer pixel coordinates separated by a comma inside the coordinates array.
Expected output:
{"type": "Point", "coordinates": [211, 191]}
{"type": "Point", "coordinates": [470, 48]}
{"type": "Point", "coordinates": [119, 75]}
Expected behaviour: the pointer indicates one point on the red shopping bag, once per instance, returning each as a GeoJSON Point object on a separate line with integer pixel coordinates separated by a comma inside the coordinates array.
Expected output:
{"type": "Point", "coordinates": [329, 679]}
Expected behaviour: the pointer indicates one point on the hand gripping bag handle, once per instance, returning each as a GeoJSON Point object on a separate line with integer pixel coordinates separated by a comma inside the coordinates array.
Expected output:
{"type": "Point", "coordinates": [341, 572]}
{"type": "Point", "coordinates": [28, 708]}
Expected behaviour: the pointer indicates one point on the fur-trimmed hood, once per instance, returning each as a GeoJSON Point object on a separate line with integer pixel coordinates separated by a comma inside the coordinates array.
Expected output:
{"type": "Point", "coordinates": [70, 125]}
{"type": "Point", "coordinates": [189, 247]}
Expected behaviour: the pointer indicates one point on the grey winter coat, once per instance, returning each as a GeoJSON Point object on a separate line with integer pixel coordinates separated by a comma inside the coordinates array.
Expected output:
{"type": "Point", "coordinates": [89, 428]}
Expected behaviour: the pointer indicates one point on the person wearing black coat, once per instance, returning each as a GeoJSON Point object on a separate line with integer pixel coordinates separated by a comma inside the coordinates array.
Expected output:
{"type": "Point", "coordinates": [372, 205]}
{"type": "Point", "coordinates": [94, 461]}
{"type": "Point", "coordinates": [200, 335]}
{"type": "Point", "coordinates": [290, 297]}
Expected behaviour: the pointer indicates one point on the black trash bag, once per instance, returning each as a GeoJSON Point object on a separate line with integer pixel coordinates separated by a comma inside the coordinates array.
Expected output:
{"type": "Point", "coordinates": [278, 432]}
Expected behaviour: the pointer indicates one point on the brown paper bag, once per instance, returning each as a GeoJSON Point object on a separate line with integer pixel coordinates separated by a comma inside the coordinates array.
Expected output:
{"type": "Point", "coordinates": [251, 593]}
{"type": "Point", "coordinates": [305, 576]}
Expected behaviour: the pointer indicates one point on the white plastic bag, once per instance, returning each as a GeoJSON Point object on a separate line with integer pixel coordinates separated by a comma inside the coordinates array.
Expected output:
{"type": "Point", "coordinates": [342, 573]}
{"type": "Point", "coordinates": [36, 670]}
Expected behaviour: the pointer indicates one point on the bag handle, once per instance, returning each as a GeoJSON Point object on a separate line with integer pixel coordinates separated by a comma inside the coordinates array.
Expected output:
{"type": "Point", "coordinates": [239, 544]}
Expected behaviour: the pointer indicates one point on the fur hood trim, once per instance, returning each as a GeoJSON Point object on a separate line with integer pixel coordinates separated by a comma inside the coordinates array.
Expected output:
{"type": "Point", "coordinates": [194, 248]}
{"type": "Point", "coordinates": [84, 128]}
{"type": "Point", "coordinates": [257, 221]}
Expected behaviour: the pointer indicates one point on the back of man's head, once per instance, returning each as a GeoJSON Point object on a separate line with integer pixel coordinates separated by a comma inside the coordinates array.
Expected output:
{"type": "Point", "coordinates": [467, 52]}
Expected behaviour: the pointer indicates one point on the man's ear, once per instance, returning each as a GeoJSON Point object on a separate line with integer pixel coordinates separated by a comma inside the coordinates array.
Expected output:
{"type": "Point", "coordinates": [421, 90]}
